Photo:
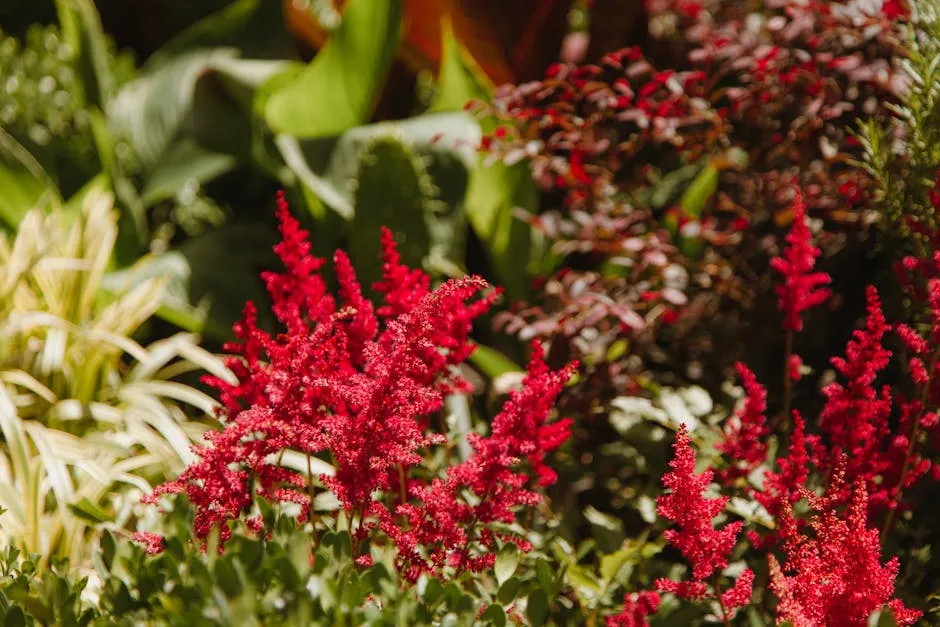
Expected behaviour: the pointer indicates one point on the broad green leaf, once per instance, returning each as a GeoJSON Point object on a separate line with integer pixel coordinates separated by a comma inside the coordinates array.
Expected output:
{"type": "Point", "coordinates": [81, 27]}
{"type": "Point", "coordinates": [186, 164]}
{"type": "Point", "coordinates": [537, 606]}
{"type": "Point", "coordinates": [508, 590]}
{"type": "Point", "coordinates": [255, 27]}
{"type": "Point", "coordinates": [613, 562]}
{"type": "Point", "coordinates": [339, 88]}
{"type": "Point", "coordinates": [150, 111]}
{"type": "Point", "coordinates": [457, 82]}
{"type": "Point", "coordinates": [506, 563]}
{"type": "Point", "coordinates": [209, 277]}
{"type": "Point", "coordinates": [394, 190]}
{"type": "Point", "coordinates": [492, 362]}
{"type": "Point", "coordinates": [328, 166]}
{"type": "Point", "coordinates": [495, 192]}
{"type": "Point", "coordinates": [607, 529]}
{"type": "Point", "coordinates": [494, 615]}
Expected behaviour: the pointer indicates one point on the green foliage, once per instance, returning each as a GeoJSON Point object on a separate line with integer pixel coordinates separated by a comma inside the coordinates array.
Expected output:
{"type": "Point", "coordinates": [89, 416]}
{"type": "Point", "coordinates": [342, 81]}
{"type": "Point", "coordinates": [903, 154]}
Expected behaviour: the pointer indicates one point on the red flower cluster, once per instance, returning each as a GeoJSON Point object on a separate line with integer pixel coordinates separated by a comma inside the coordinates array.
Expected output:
{"type": "Point", "coordinates": [835, 576]}
{"type": "Point", "coordinates": [448, 519]}
{"type": "Point", "coordinates": [745, 433]}
{"type": "Point", "coordinates": [704, 546]}
{"type": "Point", "coordinates": [801, 288]}
{"type": "Point", "coordinates": [358, 386]}
{"type": "Point", "coordinates": [636, 607]}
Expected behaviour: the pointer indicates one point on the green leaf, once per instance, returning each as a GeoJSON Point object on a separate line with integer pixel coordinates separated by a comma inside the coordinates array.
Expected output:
{"type": "Point", "coordinates": [492, 362]}
{"type": "Point", "coordinates": [15, 618]}
{"type": "Point", "coordinates": [585, 585]}
{"type": "Point", "coordinates": [393, 190]}
{"type": "Point", "coordinates": [209, 277]}
{"type": "Point", "coordinates": [537, 607]}
{"type": "Point", "coordinates": [339, 88]}
{"type": "Point", "coordinates": [506, 563]}
{"type": "Point", "coordinates": [24, 182]}
{"type": "Point", "coordinates": [150, 111]}
{"type": "Point", "coordinates": [700, 191]}
{"type": "Point", "coordinates": [495, 615]}
{"type": "Point", "coordinates": [207, 92]}
{"type": "Point", "coordinates": [81, 28]}
{"type": "Point", "coordinates": [508, 590]}
{"type": "Point", "coordinates": [608, 530]}
{"type": "Point", "coordinates": [88, 511]}
{"type": "Point", "coordinates": [613, 562]}
{"type": "Point", "coordinates": [255, 27]}
{"type": "Point", "coordinates": [185, 164]}
{"type": "Point", "coordinates": [494, 194]}
{"type": "Point", "coordinates": [328, 166]}
{"type": "Point", "coordinates": [457, 82]}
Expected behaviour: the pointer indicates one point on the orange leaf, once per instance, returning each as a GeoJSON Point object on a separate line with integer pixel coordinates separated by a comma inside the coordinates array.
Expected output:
{"type": "Point", "coordinates": [510, 40]}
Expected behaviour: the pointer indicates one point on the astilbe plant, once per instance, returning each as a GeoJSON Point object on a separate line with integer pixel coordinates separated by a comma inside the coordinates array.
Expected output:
{"type": "Point", "coordinates": [705, 547]}
{"type": "Point", "coordinates": [834, 576]}
{"type": "Point", "coordinates": [636, 607]}
{"type": "Point", "coordinates": [864, 452]}
{"type": "Point", "coordinates": [361, 386]}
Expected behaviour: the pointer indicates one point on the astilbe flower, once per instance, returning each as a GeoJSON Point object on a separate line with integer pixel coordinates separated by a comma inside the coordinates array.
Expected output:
{"type": "Point", "coordinates": [784, 486]}
{"type": "Point", "coordinates": [744, 443]}
{"type": "Point", "coordinates": [636, 607]}
{"type": "Point", "coordinates": [360, 384]}
{"type": "Point", "coordinates": [706, 548]}
{"type": "Point", "coordinates": [454, 529]}
{"type": "Point", "coordinates": [802, 288]}
{"type": "Point", "coordinates": [834, 577]}
{"type": "Point", "coordinates": [855, 416]}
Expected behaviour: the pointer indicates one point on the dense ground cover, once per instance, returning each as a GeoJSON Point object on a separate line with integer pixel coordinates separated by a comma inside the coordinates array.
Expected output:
{"type": "Point", "coordinates": [403, 312]}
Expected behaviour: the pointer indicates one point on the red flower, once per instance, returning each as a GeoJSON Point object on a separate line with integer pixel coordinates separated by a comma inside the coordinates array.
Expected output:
{"type": "Point", "coordinates": [705, 547]}
{"type": "Point", "coordinates": [744, 434]}
{"type": "Point", "coordinates": [801, 289]}
{"type": "Point", "coordinates": [855, 415]}
{"type": "Point", "coordinates": [636, 607]}
{"type": "Point", "coordinates": [358, 385]}
{"type": "Point", "coordinates": [835, 576]}
{"type": "Point", "coordinates": [451, 529]}
{"type": "Point", "coordinates": [153, 542]}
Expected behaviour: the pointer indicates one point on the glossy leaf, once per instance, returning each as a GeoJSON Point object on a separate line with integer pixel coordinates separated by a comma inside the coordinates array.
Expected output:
{"type": "Point", "coordinates": [338, 89]}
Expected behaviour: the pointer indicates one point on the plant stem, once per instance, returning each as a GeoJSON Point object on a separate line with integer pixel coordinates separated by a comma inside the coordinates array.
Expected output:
{"type": "Point", "coordinates": [402, 489]}
{"type": "Point", "coordinates": [721, 604]}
